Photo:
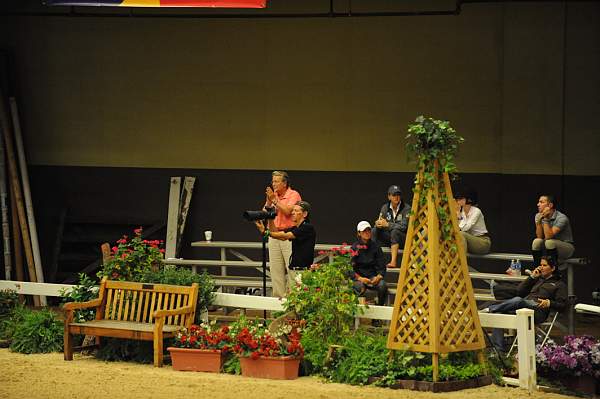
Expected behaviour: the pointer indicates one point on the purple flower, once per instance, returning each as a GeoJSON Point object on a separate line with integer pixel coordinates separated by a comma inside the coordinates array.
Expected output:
{"type": "Point", "coordinates": [577, 356]}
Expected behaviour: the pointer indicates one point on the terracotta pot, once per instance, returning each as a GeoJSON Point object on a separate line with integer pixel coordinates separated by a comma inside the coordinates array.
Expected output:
{"type": "Point", "coordinates": [276, 368]}
{"type": "Point", "coordinates": [184, 359]}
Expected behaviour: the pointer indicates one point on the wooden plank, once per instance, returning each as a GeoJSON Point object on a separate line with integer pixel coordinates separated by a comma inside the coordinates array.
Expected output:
{"type": "Point", "coordinates": [109, 302]}
{"type": "Point", "coordinates": [171, 306]}
{"type": "Point", "coordinates": [18, 196]}
{"type": "Point", "coordinates": [35, 248]}
{"type": "Point", "coordinates": [146, 304]}
{"type": "Point", "coordinates": [134, 302]}
{"type": "Point", "coordinates": [151, 310]}
{"type": "Point", "coordinates": [16, 234]}
{"type": "Point", "coordinates": [184, 203]}
{"type": "Point", "coordinates": [127, 305]}
{"type": "Point", "coordinates": [171, 241]}
{"type": "Point", "coordinates": [128, 285]}
{"type": "Point", "coordinates": [178, 305]}
{"type": "Point", "coordinates": [122, 295]}
{"type": "Point", "coordinates": [140, 308]}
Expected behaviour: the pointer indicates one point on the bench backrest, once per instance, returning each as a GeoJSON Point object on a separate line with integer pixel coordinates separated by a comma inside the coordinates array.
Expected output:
{"type": "Point", "coordinates": [130, 301]}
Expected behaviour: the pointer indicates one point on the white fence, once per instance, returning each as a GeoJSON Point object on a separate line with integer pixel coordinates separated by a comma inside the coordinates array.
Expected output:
{"type": "Point", "coordinates": [522, 322]}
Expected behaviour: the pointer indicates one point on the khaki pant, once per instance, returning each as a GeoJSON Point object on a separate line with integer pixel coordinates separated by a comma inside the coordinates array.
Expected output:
{"type": "Point", "coordinates": [478, 245]}
{"type": "Point", "coordinates": [564, 249]}
{"type": "Point", "coordinates": [279, 260]}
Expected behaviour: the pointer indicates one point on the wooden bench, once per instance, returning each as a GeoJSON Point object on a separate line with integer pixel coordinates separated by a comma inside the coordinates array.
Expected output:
{"type": "Point", "coordinates": [148, 312]}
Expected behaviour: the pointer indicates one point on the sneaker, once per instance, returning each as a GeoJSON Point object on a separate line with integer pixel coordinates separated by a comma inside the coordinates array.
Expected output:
{"type": "Point", "coordinates": [484, 310]}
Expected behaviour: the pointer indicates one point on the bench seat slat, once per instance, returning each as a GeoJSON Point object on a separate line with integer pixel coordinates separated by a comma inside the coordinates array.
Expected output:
{"type": "Point", "coordinates": [124, 325]}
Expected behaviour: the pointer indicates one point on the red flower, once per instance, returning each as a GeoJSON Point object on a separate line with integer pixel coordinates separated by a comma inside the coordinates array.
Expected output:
{"type": "Point", "coordinates": [255, 355]}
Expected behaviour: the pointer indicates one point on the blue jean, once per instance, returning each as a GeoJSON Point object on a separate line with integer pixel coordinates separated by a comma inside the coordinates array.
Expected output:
{"type": "Point", "coordinates": [510, 306]}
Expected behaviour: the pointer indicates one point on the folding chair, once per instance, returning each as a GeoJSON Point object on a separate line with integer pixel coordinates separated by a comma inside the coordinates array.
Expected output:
{"type": "Point", "coordinates": [542, 332]}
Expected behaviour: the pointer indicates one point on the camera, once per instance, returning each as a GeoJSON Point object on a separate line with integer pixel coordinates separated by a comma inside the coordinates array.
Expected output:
{"type": "Point", "coordinates": [268, 213]}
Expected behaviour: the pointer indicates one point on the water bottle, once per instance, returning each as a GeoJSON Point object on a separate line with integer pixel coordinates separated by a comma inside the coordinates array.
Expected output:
{"type": "Point", "coordinates": [517, 271]}
{"type": "Point", "coordinates": [511, 269]}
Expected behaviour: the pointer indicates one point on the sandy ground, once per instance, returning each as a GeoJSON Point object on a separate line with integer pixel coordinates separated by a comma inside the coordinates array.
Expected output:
{"type": "Point", "coordinates": [49, 376]}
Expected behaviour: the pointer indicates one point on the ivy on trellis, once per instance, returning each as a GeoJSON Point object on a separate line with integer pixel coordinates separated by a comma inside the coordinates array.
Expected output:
{"type": "Point", "coordinates": [434, 143]}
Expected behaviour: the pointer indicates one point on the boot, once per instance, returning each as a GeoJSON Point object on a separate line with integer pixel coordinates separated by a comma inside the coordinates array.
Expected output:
{"type": "Point", "coordinates": [537, 257]}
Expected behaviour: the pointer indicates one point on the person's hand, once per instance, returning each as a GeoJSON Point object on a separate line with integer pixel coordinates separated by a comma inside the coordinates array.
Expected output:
{"type": "Point", "coordinates": [260, 226]}
{"type": "Point", "coordinates": [375, 280]}
{"type": "Point", "coordinates": [381, 222]}
{"type": "Point", "coordinates": [543, 303]}
{"type": "Point", "coordinates": [536, 272]}
{"type": "Point", "coordinates": [271, 196]}
{"type": "Point", "coordinates": [546, 212]}
{"type": "Point", "coordinates": [364, 280]}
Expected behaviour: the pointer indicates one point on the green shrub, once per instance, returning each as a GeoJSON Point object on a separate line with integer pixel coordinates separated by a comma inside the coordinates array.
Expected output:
{"type": "Point", "coordinates": [186, 277]}
{"type": "Point", "coordinates": [9, 299]}
{"type": "Point", "coordinates": [85, 291]}
{"type": "Point", "coordinates": [326, 300]}
{"type": "Point", "coordinates": [9, 309]}
{"type": "Point", "coordinates": [38, 332]}
{"type": "Point", "coordinates": [9, 324]}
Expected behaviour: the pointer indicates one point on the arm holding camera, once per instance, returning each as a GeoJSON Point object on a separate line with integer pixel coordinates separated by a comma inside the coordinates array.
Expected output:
{"type": "Point", "coordinates": [278, 235]}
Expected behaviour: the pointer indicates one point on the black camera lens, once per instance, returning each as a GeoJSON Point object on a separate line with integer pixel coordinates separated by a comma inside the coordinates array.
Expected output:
{"type": "Point", "coordinates": [252, 216]}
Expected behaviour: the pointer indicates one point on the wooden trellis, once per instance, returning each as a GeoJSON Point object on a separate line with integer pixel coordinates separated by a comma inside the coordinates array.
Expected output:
{"type": "Point", "coordinates": [434, 309]}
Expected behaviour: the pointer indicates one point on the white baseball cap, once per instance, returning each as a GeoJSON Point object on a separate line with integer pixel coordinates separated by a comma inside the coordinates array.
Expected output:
{"type": "Point", "coordinates": [362, 226]}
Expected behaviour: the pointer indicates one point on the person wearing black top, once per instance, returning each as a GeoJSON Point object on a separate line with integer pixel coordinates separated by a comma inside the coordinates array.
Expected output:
{"type": "Point", "coordinates": [303, 237]}
{"type": "Point", "coordinates": [368, 264]}
{"type": "Point", "coordinates": [542, 291]}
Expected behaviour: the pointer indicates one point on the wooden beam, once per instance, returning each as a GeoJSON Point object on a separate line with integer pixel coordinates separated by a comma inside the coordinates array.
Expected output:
{"type": "Point", "coordinates": [35, 247]}
{"type": "Point", "coordinates": [184, 203]}
{"type": "Point", "coordinates": [171, 241]}
{"type": "Point", "coordinates": [16, 188]}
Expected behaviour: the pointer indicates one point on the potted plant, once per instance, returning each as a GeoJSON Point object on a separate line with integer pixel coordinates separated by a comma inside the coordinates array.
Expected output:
{"type": "Point", "coordinates": [575, 364]}
{"type": "Point", "coordinates": [265, 353]}
{"type": "Point", "coordinates": [201, 348]}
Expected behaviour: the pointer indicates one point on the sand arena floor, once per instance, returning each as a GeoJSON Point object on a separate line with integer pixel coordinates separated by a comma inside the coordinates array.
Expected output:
{"type": "Point", "coordinates": [49, 376]}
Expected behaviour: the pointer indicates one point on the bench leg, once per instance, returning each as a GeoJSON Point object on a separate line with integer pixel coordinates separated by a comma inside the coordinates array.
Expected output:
{"type": "Point", "coordinates": [68, 344]}
{"type": "Point", "coordinates": [158, 350]}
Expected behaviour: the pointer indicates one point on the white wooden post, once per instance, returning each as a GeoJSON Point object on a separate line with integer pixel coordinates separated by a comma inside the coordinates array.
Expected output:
{"type": "Point", "coordinates": [526, 345]}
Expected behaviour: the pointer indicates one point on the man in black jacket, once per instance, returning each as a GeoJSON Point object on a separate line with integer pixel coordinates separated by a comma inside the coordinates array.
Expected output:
{"type": "Point", "coordinates": [368, 264]}
{"type": "Point", "coordinates": [542, 291]}
{"type": "Point", "coordinates": [392, 223]}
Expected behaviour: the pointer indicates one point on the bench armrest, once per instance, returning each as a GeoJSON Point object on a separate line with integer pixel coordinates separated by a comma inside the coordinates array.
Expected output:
{"type": "Point", "coordinates": [94, 303]}
{"type": "Point", "coordinates": [173, 312]}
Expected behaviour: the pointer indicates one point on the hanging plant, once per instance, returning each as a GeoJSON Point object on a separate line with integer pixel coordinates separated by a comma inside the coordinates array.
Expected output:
{"type": "Point", "coordinates": [434, 143]}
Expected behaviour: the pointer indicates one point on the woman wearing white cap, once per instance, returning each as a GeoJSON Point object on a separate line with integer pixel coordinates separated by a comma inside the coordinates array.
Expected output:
{"type": "Point", "coordinates": [368, 264]}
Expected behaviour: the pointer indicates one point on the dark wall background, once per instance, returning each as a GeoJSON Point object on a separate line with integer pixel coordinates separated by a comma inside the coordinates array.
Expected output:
{"type": "Point", "coordinates": [113, 102]}
{"type": "Point", "coordinates": [339, 199]}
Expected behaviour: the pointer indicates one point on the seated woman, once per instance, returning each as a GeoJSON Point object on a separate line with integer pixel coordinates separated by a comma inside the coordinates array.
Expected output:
{"type": "Point", "coordinates": [368, 264]}
{"type": "Point", "coordinates": [472, 224]}
{"type": "Point", "coordinates": [542, 291]}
